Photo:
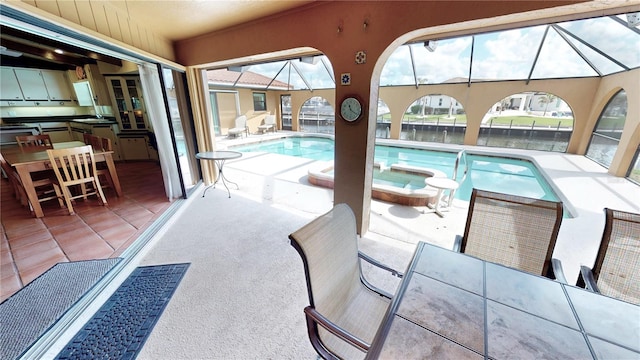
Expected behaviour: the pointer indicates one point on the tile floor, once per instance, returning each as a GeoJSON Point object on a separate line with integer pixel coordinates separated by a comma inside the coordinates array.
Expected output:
{"type": "Point", "coordinates": [30, 246]}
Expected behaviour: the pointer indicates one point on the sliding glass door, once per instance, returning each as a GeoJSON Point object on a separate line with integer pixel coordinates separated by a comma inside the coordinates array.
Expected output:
{"type": "Point", "coordinates": [181, 125]}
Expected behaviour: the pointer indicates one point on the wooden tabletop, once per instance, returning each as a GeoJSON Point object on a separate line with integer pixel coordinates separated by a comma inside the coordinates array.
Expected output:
{"type": "Point", "coordinates": [13, 155]}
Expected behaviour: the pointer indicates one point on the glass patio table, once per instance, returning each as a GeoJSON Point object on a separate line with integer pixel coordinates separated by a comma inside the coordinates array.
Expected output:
{"type": "Point", "coordinates": [219, 157]}
{"type": "Point", "coordinates": [454, 306]}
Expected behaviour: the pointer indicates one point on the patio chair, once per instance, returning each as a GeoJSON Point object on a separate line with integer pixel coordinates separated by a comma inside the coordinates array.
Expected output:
{"type": "Point", "coordinates": [76, 166]}
{"type": "Point", "coordinates": [347, 307]}
{"type": "Point", "coordinates": [514, 231]}
{"type": "Point", "coordinates": [616, 271]}
{"type": "Point", "coordinates": [269, 123]}
{"type": "Point", "coordinates": [34, 143]}
{"type": "Point", "coordinates": [240, 127]}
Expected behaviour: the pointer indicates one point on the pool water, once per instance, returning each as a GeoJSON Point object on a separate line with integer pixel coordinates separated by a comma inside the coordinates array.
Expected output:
{"type": "Point", "coordinates": [498, 174]}
{"type": "Point", "coordinates": [396, 179]}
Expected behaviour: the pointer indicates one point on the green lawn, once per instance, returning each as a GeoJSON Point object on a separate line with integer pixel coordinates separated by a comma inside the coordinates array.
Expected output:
{"type": "Point", "coordinates": [499, 121]}
{"type": "Point", "coordinates": [607, 123]}
{"type": "Point", "coordinates": [529, 120]}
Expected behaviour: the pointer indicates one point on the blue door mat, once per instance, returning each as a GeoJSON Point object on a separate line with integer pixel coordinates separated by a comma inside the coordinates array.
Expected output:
{"type": "Point", "coordinates": [122, 325]}
{"type": "Point", "coordinates": [30, 312]}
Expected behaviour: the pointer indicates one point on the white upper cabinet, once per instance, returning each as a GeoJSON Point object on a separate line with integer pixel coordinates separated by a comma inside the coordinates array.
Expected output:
{"type": "Point", "coordinates": [37, 87]}
{"type": "Point", "coordinates": [57, 85]}
{"type": "Point", "coordinates": [32, 84]}
{"type": "Point", "coordinates": [83, 93]}
{"type": "Point", "coordinates": [9, 87]}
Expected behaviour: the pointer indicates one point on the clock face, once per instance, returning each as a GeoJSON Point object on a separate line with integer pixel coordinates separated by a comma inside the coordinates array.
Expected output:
{"type": "Point", "coordinates": [351, 109]}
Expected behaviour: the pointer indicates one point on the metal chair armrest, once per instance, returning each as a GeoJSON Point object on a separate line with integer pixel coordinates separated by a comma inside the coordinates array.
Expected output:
{"type": "Point", "coordinates": [588, 279]}
{"type": "Point", "coordinates": [457, 244]}
{"type": "Point", "coordinates": [375, 262]}
{"type": "Point", "coordinates": [382, 266]}
{"type": "Point", "coordinates": [316, 317]}
{"type": "Point", "coordinates": [558, 272]}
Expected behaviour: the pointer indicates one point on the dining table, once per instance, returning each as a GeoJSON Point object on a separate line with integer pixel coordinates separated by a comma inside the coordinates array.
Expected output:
{"type": "Point", "coordinates": [27, 163]}
{"type": "Point", "coordinates": [451, 305]}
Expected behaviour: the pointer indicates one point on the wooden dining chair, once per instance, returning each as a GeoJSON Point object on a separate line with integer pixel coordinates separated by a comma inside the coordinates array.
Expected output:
{"type": "Point", "coordinates": [103, 169]}
{"type": "Point", "coordinates": [34, 143]}
{"type": "Point", "coordinates": [76, 166]}
{"type": "Point", "coordinates": [44, 185]}
{"type": "Point", "coordinates": [102, 144]}
{"type": "Point", "coordinates": [616, 270]}
{"type": "Point", "coordinates": [87, 138]}
{"type": "Point", "coordinates": [12, 177]}
{"type": "Point", "coordinates": [514, 231]}
{"type": "Point", "coordinates": [345, 310]}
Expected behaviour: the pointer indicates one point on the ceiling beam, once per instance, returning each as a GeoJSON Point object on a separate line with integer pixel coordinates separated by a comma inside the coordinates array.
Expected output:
{"type": "Point", "coordinates": [47, 54]}
{"type": "Point", "coordinates": [36, 42]}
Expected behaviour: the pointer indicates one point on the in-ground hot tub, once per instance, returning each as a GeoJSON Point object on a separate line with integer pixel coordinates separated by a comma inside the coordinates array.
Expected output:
{"type": "Point", "coordinates": [399, 184]}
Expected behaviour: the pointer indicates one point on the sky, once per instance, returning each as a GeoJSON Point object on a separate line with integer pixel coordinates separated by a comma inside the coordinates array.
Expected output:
{"type": "Point", "coordinates": [503, 55]}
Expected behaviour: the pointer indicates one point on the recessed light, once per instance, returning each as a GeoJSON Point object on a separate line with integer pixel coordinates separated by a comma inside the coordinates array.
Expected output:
{"type": "Point", "coordinates": [58, 51]}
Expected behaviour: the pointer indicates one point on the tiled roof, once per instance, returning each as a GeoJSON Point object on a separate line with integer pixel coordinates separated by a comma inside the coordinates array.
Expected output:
{"type": "Point", "coordinates": [247, 78]}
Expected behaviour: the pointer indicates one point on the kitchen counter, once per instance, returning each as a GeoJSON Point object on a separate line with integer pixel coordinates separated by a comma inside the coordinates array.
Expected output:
{"type": "Point", "coordinates": [8, 132]}
{"type": "Point", "coordinates": [79, 119]}
{"type": "Point", "coordinates": [93, 121]}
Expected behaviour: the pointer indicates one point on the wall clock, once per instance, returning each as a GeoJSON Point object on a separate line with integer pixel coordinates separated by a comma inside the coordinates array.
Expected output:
{"type": "Point", "coordinates": [80, 73]}
{"type": "Point", "coordinates": [351, 108]}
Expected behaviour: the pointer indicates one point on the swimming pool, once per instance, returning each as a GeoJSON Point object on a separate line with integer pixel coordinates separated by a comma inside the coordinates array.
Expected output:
{"type": "Point", "coordinates": [499, 174]}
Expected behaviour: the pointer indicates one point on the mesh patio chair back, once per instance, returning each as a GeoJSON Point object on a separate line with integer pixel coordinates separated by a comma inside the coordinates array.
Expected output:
{"type": "Point", "coordinates": [617, 267]}
{"type": "Point", "coordinates": [514, 231]}
{"type": "Point", "coordinates": [34, 143]}
{"type": "Point", "coordinates": [329, 250]}
{"type": "Point", "coordinates": [76, 167]}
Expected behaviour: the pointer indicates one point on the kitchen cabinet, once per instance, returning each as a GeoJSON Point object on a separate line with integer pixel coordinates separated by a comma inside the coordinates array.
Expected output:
{"type": "Point", "coordinates": [78, 130]}
{"type": "Point", "coordinates": [98, 85]}
{"type": "Point", "coordinates": [134, 148]}
{"type": "Point", "coordinates": [126, 95]}
{"type": "Point", "coordinates": [108, 131]}
{"type": "Point", "coordinates": [57, 131]}
{"type": "Point", "coordinates": [33, 87]}
{"type": "Point", "coordinates": [57, 85]}
{"type": "Point", "coordinates": [32, 84]}
{"type": "Point", "coordinates": [9, 86]}
{"type": "Point", "coordinates": [83, 93]}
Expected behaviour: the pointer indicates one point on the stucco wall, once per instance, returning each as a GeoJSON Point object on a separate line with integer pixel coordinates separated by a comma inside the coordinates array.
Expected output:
{"type": "Point", "coordinates": [339, 30]}
{"type": "Point", "coordinates": [630, 140]}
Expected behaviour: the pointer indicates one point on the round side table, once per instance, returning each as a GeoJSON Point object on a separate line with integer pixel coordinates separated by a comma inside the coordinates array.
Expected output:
{"type": "Point", "coordinates": [219, 157]}
{"type": "Point", "coordinates": [442, 184]}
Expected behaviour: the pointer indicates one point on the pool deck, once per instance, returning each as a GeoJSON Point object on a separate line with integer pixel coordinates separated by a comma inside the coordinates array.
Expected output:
{"type": "Point", "coordinates": [584, 187]}
{"type": "Point", "coordinates": [243, 295]}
